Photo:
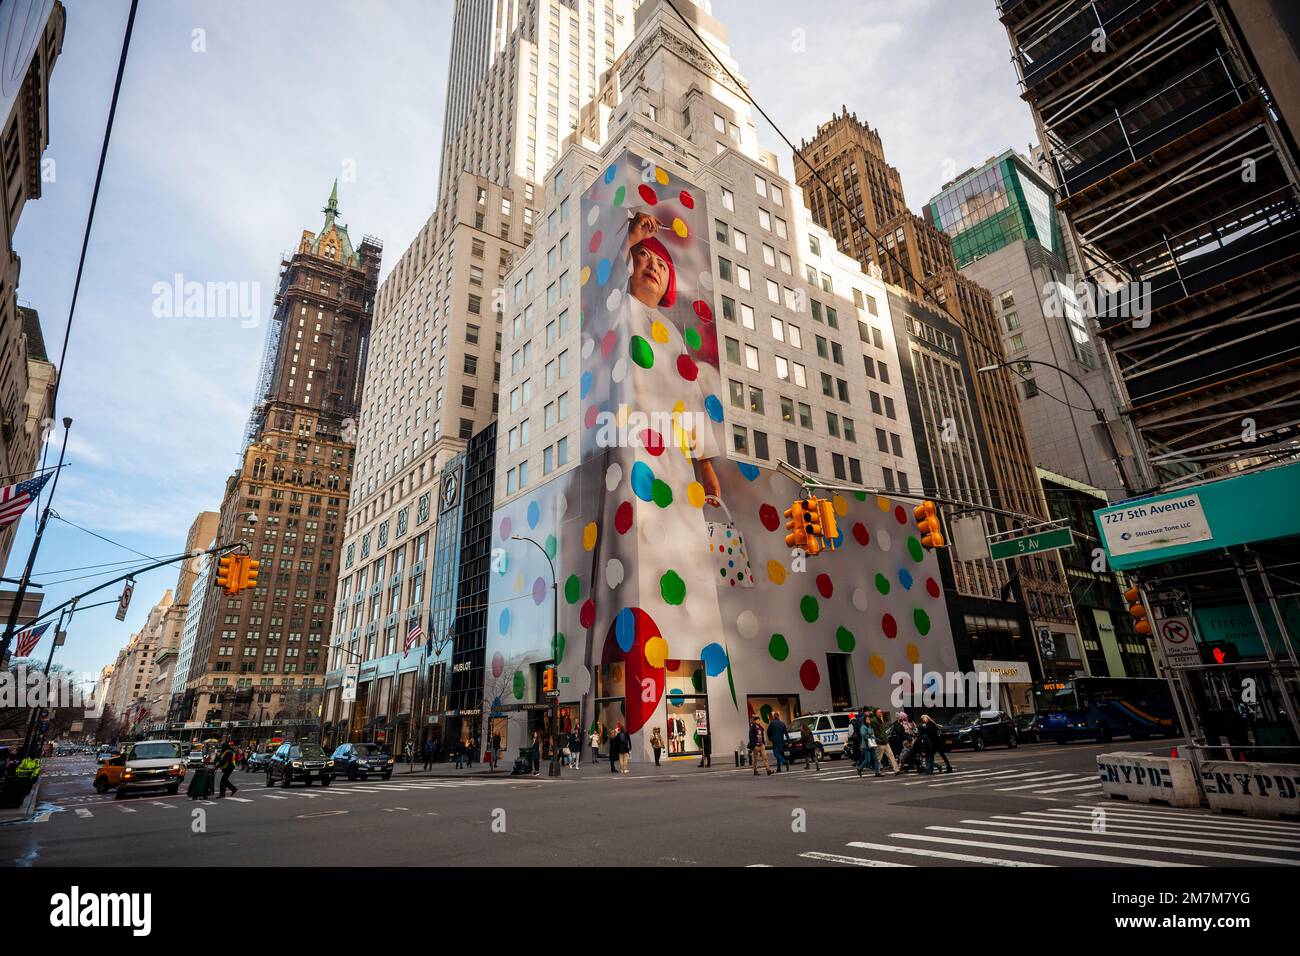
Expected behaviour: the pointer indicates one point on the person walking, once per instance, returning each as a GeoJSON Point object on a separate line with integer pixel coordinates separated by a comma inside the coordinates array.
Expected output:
{"type": "Point", "coordinates": [535, 753]}
{"type": "Point", "coordinates": [853, 741]}
{"type": "Point", "coordinates": [409, 753]}
{"type": "Point", "coordinates": [624, 749]}
{"type": "Point", "coordinates": [777, 733]}
{"type": "Point", "coordinates": [757, 751]}
{"type": "Point", "coordinates": [428, 753]}
{"type": "Point", "coordinates": [575, 749]}
{"type": "Point", "coordinates": [469, 752]}
{"type": "Point", "coordinates": [910, 741]}
{"type": "Point", "coordinates": [706, 747]}
{"type": "Point", "coordinates": [656, 744]}
{"type": "Point", "coordinates": [458, 751]}
{"type": "Point", "coordinates": [809, 744]}
{"type": "Point", "coordinates": [883, 751]}
{"type": "Point", "coordinates": [613, 748]}
{"type": "Point", "coordinates": [496, 749]}
{"type": "Point", "coordinates": [933, 744]}
{"type": "Point", "coordinates": [867, 745]}
{"type": "Point", "coordinates": [226, 764]}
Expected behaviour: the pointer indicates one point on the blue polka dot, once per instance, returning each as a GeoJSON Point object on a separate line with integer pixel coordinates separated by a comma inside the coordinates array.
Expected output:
{"type": "Point", "coordinates": [905, 578]}
{"type": "Point", "coordinates": [676, 697]}
{"type": "Point", "coordinates": [602, 271]}
{"type": "Point", "coordinates": [504, 623]}
{"type": "Point", "coordinates": [625, 629]}
{"type": "Point", "coordinates": [839, 537]}
{"type": "Point", "coordinates": [610, 174]}
{"type": "Point", "coordinates": [749, 471]}
{"type": "Point", "coordinates": [534, 514]}
{"type": "Point", "coordinates": [714, 658]}
{"type": "Point", "coordinates": [643, 480]}
{"type": "Point", "coordinates": [584, 385]}
{"type": "Point", "coordinates": [713, 407]}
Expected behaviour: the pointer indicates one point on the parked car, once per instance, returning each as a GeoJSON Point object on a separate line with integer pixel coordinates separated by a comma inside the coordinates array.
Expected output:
{"type": "Point", "coordinates": [362, 760]}
{"type": "Point", "coordinates": [299, 761]}
{"type": "Point", "coordinates": [979, 729]}
{"type": "Point", "coordinates": [831, 731]}
{"type": "Point", "coordinates": [1028, 728]}
{"type": "Point", "coordinates": [257, 761]}
{"type": "Point", "coordinates": [147, 765]}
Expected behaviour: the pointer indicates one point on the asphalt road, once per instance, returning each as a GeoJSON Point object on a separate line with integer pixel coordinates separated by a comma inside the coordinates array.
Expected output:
{"type": "Point", "coordinates": [1034, 806]}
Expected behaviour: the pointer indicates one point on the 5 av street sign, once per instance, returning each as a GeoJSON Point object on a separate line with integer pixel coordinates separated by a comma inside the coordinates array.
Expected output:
{"type": "Point", "coordinates": [1030, 544]}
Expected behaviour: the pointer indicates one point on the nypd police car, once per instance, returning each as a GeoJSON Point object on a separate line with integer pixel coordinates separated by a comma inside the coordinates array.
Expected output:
{"type": "Point", "coordinates": [831, 731]}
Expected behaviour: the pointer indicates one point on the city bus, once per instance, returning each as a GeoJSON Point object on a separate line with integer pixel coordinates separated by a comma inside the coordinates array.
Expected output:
{"type": "Point", "coordinates": [1100, 708]}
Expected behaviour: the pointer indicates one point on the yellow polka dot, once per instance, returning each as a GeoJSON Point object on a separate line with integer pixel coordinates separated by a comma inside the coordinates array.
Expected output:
{"type": "Point", "coordinates": [877, 665]}
{"type": "Point", "coordinates": [660, 176]}
{"type": "Point", "coordinates": [882, 503]}
{"type": "Point", "coordinates": [659, 332]}
{"type": "Point", "coordinates": [656, 651]}
{"type": "Point", "coordinates": [695, 494]}
{"type": "Point", "coordinates": [841, 505]}
{"type": "Point", "coordinates": [913, 653]}
{"type": "Point", "coordinates": [776, 572]}
{"type": "Point", "coordinates": [679, 407]}
{"type": "Point", "coordinates": [584, 275]}
{"type": "Point", "coordinates": [519, 582]}
{"type": "Point", "coordinates": [589, 536]}
{"type": "Point", "coordinates": [624, 411]}
{"type": "Point", "coordinates": [679, 227]}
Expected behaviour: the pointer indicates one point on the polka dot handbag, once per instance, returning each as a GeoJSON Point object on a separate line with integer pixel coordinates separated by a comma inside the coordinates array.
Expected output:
{"type": "Point", "coordinates": [727, 549]}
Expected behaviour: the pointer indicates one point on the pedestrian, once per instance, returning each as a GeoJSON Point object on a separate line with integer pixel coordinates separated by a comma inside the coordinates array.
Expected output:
{"type": "Point", "coordinates": [562, 745]}
{"type": "Point", "coordinates": [496, 748]}
{"type": "Point", "coordinates": [624, 748]}
{"type": "Point", "coordinates": [809, 744]}
{"type": "Point", "coordinates": [409, 753]}
{"type": "Point", "coordinates": [428, 753]}
{"type": "Point", "coordinates": [933, 737]}
{"type": "Point", "coordinates": [776, 732]}
{"type": "Point", "coordinates": [883, 750]}
{"type": "Point", "coordinates": [594, 740]}
{"type": "Point", "coordinates": [458, 751]}
{"type": "Point", "coordinates": [226, 764]}
{"type": "Point", "coordinates": [535, 754]}
{"type": "Point", "coordinates": [706, 747]}
{"type": "Point", "coordinates": [469, 751]}
{"type": "Point", "coordinates": [854, 740]}
{"type": "Point", "coordinates": [575, 749]}
{"type": "Point", "coordinates": [867, 745]}
{"type": "Point", "coordinates": [910, 740]}
{"type": "Point", "coordinates": [757, 751]}
{"type": "Point", "coordinates": [613, 748]}
{"type": "Point", "coordinates": [656, 744]}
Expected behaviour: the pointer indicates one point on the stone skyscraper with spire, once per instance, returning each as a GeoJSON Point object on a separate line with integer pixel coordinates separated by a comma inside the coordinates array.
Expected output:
{"type": "Point", "coordinates": [259, 657]}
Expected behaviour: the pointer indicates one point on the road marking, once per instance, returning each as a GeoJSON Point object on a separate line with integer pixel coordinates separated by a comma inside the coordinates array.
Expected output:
{"type": "Point", "coordinates": [43, 816]}
{"type": "Point", "coordinates": [238, 799]}
{"type": "Point", "coordinates": [274, 796]}
{"type": "Point", "coordinates": [1087, 786]}
{"type": "Point", "coordinates": [1053, 778]}
{"type": "Point", "coordinates": [1120, 846]}
{"type": "Point", "coordinates": [1128, 823]}
{"type": "Point", "coordinates": [81, 812]}
{"type": "Point", "coordinates": [1228, 823]}
{"type": "Point", "coordinates": [1007, 775]}
{"type": "Point", "coordinates": [851, 860]}
{"type": "Point", "coordinates": [159, 803]}
{"type": "Point", "coordinates": [1040, 851]}
{"type": "Point", "coordinates": [320, 813]}
{"type": "Point", "coordinates": [945, 855]}
{"type": "Point", "coordinates": [123, 809]}
{"type": "Point", "coordinates": [1139, 835]}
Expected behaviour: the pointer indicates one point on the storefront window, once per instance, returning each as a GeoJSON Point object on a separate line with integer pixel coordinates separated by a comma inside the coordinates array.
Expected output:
{"type": "Point", "coordinates": [687, 706]}
{"type": "Point", "coordinates": [768, 707]}
{"type": "Point", "coordinates": [611, 709]}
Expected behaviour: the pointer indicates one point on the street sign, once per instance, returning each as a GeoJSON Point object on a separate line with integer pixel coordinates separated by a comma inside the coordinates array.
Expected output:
{"type": "Point", "coordinates": [1031, 544]}
{"type": "Point", "coordinates": [124, 601]}
{"type": "Point", "coordinates": [349, 692]}
{"type": "Point", "coordinates": [552, 694]}
{"type": "Point", "coordinates": [1177, 642]}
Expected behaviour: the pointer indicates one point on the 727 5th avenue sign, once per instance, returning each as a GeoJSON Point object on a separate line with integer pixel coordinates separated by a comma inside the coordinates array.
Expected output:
{"type": "Point", "coordinates": [1030, 544]}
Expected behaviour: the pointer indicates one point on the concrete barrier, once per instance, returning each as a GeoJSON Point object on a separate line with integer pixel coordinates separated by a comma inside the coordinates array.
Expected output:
{"type": "Point", "coordinates": [1255, 789]}
{"type": "Point", "coordinates": [1165, 780]}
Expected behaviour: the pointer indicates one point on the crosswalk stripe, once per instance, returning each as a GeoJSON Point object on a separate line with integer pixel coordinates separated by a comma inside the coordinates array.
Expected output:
{"type": "Point", "coordinates": [83, 812]}
{"type": "Point", "coordinates": [969, 776]}
{"type": "Point", "coordinates": [1041, 851]}
{"type": "Point", "coordinates": [1006, 775]}
{"type": "Point", "coordinates": [160, 803]}
{"type": "Point", "coordinates": [1054, 778]}
{"type": "Point", "coordinates": [851, 860]}
{"type": "Point", "coordinates": [1087, 786]}
{"type": "Point", "coordinates": [274, 796]}
{"type": "Point", "coordinates": [127, 809]}
{"type": "Point", "coordinates": [945, 855]}
{"type": "Point", "coordinates": [238, 799]}
{"type": "Point", "coordinates": [1227, 823]}
{"type": "Point", "coordinates": [1180, 851]}
{"type": "Point", "coordinates": [1035, 823]}
{"type": "Point", "coordinates": [1191, 826]}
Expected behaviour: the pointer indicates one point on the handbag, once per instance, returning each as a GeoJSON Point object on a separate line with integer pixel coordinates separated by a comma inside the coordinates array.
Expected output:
{"type": "Point", "coordinates": [727, 549]}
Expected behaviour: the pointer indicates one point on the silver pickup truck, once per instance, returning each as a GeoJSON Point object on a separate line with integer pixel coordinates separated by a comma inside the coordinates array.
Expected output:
{"type": "Point", "coordinates": [152, 765]}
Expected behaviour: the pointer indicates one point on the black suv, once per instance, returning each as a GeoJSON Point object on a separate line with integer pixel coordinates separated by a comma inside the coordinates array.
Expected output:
{"type": "Point", "coordinates": [301, 761]}
{"type": "Point", "coordinates": [361, 760]}
{"type": "Point", "coordinates": [979, 729]}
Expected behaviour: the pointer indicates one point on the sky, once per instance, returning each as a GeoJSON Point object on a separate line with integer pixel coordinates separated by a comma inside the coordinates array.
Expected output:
{"type": "Point", "coordinates": [233, 122]}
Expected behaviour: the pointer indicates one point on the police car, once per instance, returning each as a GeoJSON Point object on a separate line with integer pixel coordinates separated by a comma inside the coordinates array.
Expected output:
{"type": "Point", "coordinates": [831, 731]}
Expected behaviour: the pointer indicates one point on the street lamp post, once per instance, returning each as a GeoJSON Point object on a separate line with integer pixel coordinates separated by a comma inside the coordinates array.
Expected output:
{"type": "Point", "coordinates": [555, 651]}
{"type": "Point", "coordinates": [1111, 447]}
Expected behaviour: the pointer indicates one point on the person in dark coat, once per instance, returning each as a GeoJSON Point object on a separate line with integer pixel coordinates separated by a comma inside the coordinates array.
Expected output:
{"type": "Point", "coordinates": [535, 754]}
{"type": "Point", "coordinates": [933, 737]}
{"type": "Point", "coordinates": [706, 748]}
{"type": "Point", "coordinates": [226, 764]}
{"type": "Point", "coordinates": [777, 732]}
{"type": "Point", "coordinates": [624, 740]}
{"type": "Point", "coordinates": [757, 751]}
{"type": "Point", "coordinates": [428, 753]}
{"type": "Point", "coordinates": [809, 744]}
{"type": "Point", "coordinates": [613, 748]}
{"type": "Point", "coordinates": [458, 751]}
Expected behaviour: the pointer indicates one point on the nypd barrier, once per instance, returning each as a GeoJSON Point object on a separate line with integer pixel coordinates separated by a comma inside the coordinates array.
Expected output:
{"type": "Point", "coordinates": [1255, 789]}
{"type": "Point", "coordinates": [1167, 780]}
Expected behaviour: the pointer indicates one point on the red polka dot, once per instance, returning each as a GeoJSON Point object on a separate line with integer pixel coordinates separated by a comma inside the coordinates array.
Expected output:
{"type": "Point", "coordinates": [860, 534]}
{"type": "Point", "coordinates": [809, 676]}
{"type": "Point", "coordinates": [623, 517]}
{"type": "Point", "coordinates": [687, 199]}
{"type": "Point", "coordinates": [687, 368]}
{"type": "Point", "coordinates": [702, 310]}
{"type": "Point", "coordinates": [770, 517]}
{"type": "Point", "coordinates": [647, 194]}
{"type": "Point", "coordinates": [890, 626]}
{"type": "Point", "coordinates": [652, 441]}
{"type": "Point", "coordinates": [608, 342]}
{"type": "Point", "coordinates": [596, 238]}
{"type": "Point", "coordinates": [824, 586]}
{"type": "Point", "coordinates": [932, 587]}
{"type": "Point", "coordinates": [589, 419]}
{"type": "Point", "coordinates": [587, 616]}
{"type": "Point", "coordinates": [900, 514]}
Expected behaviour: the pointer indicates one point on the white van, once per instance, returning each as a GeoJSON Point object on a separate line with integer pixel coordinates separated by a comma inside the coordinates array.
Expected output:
{"type": "Point", "coordinates": [831, 731]}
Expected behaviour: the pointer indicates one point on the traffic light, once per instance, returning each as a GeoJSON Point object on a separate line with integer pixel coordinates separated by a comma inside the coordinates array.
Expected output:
{"type": "Point", "coordinates": [548, 679]}
{"type": "Point", "coordinates": [1221, 652]}
{"type": "Point", "coordinates": [927, 522]}
{"type": "Point", "coordinates": [814, 528]}
{"type": "Point", "coordinates": [795, 524]}
{"type": "Point", "coordinates": [830, 531]}
{"type": "Point", "coordinates": [1137, 610]}
{"type": "Point", "coordinates": [226, 571]}
{"type": "Point", "coordinates": [249, 577]}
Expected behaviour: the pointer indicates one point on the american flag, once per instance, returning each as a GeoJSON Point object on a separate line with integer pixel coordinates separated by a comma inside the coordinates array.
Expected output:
{"type": "Point", "coordinates": [14, 499]}
{"type": "Point", "coordinates": [27, 640]}
{"type": "Point", "coordinates": [413, 635]}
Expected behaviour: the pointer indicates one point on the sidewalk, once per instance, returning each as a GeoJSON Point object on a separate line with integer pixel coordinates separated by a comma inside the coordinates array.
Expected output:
{"type": "Point", "coordinates": [601, 764]}
{"type": "Point", "coordinates": [20, 813]}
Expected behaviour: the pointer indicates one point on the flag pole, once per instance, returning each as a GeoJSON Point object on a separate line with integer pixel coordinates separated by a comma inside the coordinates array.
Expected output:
{"type": "Point", "coordinates": [36, 545]}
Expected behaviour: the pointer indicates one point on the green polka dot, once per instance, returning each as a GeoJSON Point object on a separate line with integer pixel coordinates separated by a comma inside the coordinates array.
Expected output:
{"type": "Point", "coordinates": [672, 587]}
{"type": "Point", "coordinates": [922, 621]}
{"type": "Point", "coordinates": [660, 493]}
{"type": "Point", "coordinates": [643, 354]}
{"type": "Point", "coordinates": [809, 608]}
{"type": "Point", "coordinates": [882, 584]}
{"type": "Point", "coordinates": [697, 680]}
{"type": "Point", "coordinates": [766, 713]}
{"type": "Point", "coordinates": [559, 647]}
{"type": "Point", "coordinates": [914, 549]}
{"type": "Point", "coordinates": [692, 337]}
{"type": "Point", "coordinates": [572, 589]}
{"type": "Point", "coordinates": [619, 194]}
{"type": "Point", "coordinates": [845, 639]}
{"type": "Point", "coordinates": [778, 647]}
{"type": "Point", "coordinates": [860, 495]}
{"type": "Point", "coordinates": [552, 546]}
{"type": "Point", "coordinates": [520, 685]}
